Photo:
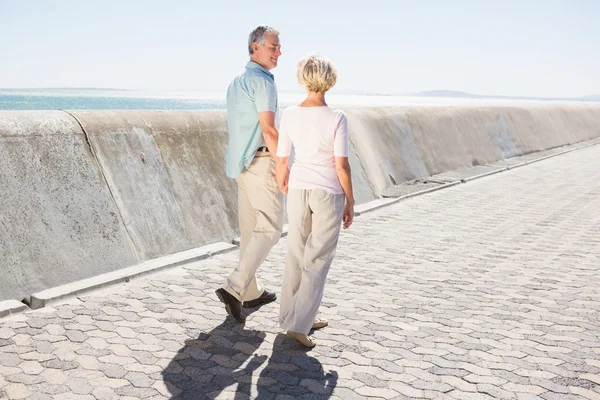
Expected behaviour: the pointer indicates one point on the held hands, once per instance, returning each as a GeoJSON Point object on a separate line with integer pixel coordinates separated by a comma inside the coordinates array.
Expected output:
{"type": "Point", "coordinates": [348, 216]}
{"type": "Point", "coordinates": [283, 188]}
{"type": "Point", "coordinates": [282, 177]}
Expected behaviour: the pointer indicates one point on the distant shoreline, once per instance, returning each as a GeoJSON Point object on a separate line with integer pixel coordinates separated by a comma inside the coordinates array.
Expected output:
{"type": "Point", "coordinates": [129, 99]}
{"type": "Point", "coordinates": [429, 93]}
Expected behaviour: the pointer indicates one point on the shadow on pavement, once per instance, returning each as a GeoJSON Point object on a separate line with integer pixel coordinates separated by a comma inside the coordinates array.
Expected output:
{"type": "Point", "coordinates": [225, 359]}
{"type": "Point", "coordinates": [291, 371]}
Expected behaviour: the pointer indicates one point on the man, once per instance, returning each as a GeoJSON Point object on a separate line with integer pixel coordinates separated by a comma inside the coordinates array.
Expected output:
{"type": "Point", "coordinates": [251, 112]}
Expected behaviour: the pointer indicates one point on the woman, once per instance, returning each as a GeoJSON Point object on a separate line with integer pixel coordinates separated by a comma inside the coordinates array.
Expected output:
{"type": "Point", "coordinates": [320, 195]}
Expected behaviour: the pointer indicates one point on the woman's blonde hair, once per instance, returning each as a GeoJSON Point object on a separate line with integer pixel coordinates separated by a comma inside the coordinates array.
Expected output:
{"type": "Point", "coordinates": [317, 73]}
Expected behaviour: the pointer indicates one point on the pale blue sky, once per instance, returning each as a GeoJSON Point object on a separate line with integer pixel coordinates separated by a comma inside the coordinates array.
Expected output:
{"type": "Point", "coordinates": [545, 48]}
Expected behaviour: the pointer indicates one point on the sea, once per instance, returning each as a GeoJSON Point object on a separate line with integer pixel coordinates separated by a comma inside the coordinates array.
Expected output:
{"type": "Point", "coordinates": [119, 99]}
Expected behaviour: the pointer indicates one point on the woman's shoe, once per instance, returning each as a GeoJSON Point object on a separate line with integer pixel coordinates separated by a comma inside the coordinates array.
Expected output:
{"type": "Point", "coordinates": [320, 323]}
{"type": "Point", "coordinates": [302, 338]}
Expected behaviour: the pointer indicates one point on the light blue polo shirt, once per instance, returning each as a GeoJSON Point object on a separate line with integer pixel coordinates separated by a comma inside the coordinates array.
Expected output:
{"type": "Point", "coordinates": [252, 92]}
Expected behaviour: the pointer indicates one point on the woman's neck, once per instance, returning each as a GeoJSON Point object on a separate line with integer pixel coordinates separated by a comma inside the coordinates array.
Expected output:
{"type": "Point", "coordinates": [314, 100]}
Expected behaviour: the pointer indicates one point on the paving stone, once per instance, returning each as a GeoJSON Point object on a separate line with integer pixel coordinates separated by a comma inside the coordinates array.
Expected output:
{"type": "Point", "coordinates": [512, 387]}
{"type": "Point", "coordinates": [59, 364]}
{"type": "Point", "coordinates": [573, 382]}
{"type": "Point", "coordinates": [379, 392]}
{"type": "Point", "coordinates": [459, 383]}
{"type": "Point", "coordinates": [31, 367]}
{"type": "Point", "coordinates": [114, 371]}
{"type": "Point", "coordinates": [549, 396]}
{"type": "Point", "coordinates": [25, 379]}
{"type": "Point", "coordinates": [79, 386]}
{"type": "Point", "coordinates": [315, 386]}
{"type": "Point", "coordinates": [549, 385]}
{"type": "Point", "coordinates": [488, 292]}
{"type": "Point", "coordinates": [89, 351]}
{"type": "Point", "coordinates": [136, 392]}
{"type": "Point", "coordinates": [370, 380]}
{"type": "Point", "coordinates": [39, 396]}
{"type": "Point", "coordinates": [589, 377]}
{"type": "Point", "coordinates": [138, 379]}
{"type": "Point", "coordinates": [15, 349]}
{"type": "Point", "coordinates": [495, 391]}
{"type": "Point", "coordinates": [16, 391]}
{"type": "Point", "coordinates": [405, 389]}
{"type": "Point", "coordinates": [427, 385]}
{"type": "Point", "coordinates": [458, 394]}
{"type": "Point", "coordinates": [144, 357]}
{"type": "Point", "coordinates": [9, 360]}
{"type": "Point", "coordinates": [585, 393]}
{"type": "Point", "coordinates": [459, 373]}
{"type": "Point", "coordinates": [73, 396]}
{"type": "Point", "coordinates": [491, 380]}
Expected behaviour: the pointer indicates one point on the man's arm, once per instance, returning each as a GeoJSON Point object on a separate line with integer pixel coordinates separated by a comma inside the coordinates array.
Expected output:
{"type": "Point", "coordinates": [269, 131]}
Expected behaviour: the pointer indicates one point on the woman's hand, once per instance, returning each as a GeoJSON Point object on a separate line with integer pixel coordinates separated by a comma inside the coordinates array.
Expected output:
{"type": "Point", "coordinates": [348, 215]}
{"type": "Point", "coordinates": [283, 186]}
{"type": "Point", "coordinates": [282, 174]}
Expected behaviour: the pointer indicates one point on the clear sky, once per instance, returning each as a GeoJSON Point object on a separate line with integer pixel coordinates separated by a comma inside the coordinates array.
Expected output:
{"type": "Point", "coordinates": [545, 48]}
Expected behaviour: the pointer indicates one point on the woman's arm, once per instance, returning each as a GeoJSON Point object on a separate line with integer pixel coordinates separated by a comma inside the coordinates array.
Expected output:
{"type": "Point", "coordinates": [342, 167]}
{"type": "Point", "coordinates": [284, 149]}
{"type": "Point", "coordinates": [344, 173]}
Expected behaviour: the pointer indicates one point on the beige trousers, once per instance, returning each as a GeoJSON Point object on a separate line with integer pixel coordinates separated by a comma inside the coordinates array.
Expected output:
{"type": "Point", "coordinates": [315, 220]}
{"type": "Point", "coordinates": [260, 206]}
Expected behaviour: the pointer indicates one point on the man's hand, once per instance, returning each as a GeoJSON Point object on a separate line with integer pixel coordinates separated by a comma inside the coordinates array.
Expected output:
{"type": "Point", "coordinates": [348, 217]}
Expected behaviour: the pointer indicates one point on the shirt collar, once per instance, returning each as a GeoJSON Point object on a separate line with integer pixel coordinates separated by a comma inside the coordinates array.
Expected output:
{"type": "Point", "coordinates": [254, 65]}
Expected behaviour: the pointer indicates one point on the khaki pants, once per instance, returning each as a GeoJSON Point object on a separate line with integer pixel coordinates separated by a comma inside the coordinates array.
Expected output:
{"type": "Point", "coordinates": [260, 205]}
{"type": "Point", "coordinates": [315, 220]}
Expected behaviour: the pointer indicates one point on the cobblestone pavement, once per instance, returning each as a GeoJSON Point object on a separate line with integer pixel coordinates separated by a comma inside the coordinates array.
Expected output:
{"type": "Point", "coordinates": [485, 290]}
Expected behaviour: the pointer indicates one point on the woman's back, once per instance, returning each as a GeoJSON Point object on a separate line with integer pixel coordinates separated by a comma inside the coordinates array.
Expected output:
{"type": "Point", "coordinates": [318, 135]}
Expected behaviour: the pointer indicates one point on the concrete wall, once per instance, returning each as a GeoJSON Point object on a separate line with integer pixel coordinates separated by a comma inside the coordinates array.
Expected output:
{"type": "Point", "coordinates": [165, 172]}
{"type": "Point", "coordinates": [58, 222]}
{"type": "Point", "coordinates": [88, 192]}
{"type": "Point", "coordinates": [402, 144]}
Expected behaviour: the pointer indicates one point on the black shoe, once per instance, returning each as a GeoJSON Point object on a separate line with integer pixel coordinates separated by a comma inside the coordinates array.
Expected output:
{"type": "Point", "coordinates": [232, 305]}
{"type": "Point", "coordinates": [265, 298]}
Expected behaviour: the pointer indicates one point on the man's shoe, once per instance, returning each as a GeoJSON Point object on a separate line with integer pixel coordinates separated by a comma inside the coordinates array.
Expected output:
{"type": "Point", "coordinates": [232, 305]}
{"type": "Point", "coordinates": [265, 298]}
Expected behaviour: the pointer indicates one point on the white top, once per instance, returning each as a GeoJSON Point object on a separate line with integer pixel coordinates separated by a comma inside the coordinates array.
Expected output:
{"type": "Point", "coordinates": [318, 134]}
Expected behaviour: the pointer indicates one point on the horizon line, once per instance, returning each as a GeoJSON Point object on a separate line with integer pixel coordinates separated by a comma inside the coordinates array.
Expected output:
{"type": "Point", "coordinates": [423, 93]}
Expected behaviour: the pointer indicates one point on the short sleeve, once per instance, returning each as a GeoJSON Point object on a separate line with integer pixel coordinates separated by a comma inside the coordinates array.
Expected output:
{"type": "Point", "coordinates": [341, 147]}
{"type": "Point", "coordinates": [265, 95]}
{"type": "Point", "coordinates": [284, 145]}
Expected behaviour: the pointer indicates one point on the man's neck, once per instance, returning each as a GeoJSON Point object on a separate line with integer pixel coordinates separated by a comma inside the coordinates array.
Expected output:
{"type": "Point", "coordinates": [255, 60]}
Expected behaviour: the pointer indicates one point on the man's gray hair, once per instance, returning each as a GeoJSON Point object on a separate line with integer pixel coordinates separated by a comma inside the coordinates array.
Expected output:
{"type": "Point", "coordinates": [258, 36]}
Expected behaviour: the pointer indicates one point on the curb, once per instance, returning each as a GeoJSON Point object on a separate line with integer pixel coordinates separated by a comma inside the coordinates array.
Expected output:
{"type": "Point", "coordinates": [485, 174]}
{"type": "Point", "coordinates": [8, 307]}
{"type": "Point", "coordinates": [45, 297]}
{"type": "Point", "coordinates": [553, 155]}
{"type": "Point", "coordinates": [380, 203]}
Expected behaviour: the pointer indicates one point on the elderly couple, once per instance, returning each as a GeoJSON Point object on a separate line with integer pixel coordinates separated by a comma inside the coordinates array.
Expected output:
{"type": "Point", "coordinates": [319, 186]}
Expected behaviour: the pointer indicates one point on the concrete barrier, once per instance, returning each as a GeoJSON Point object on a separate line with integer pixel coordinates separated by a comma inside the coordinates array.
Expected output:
{"type": "Point", "coordinates": [58, 222]}
{"type": "Point", "coordinates": [165, 172]}
{"type": "Point", "coordinates": [86, 193]}
{"type": "Point", "coordinates": [401, 144]}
